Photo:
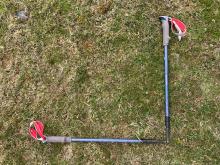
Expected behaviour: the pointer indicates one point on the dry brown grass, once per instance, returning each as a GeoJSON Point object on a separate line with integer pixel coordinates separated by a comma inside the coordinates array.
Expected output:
{"type": "Point", "coordinates": [95, 69]}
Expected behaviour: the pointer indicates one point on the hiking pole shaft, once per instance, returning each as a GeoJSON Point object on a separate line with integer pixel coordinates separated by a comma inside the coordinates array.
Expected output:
{"type": "Point", "coordinates": [165, 25]}
{"type": "Point", "coordinates": [166, 79]}
{"type": "Point", "coordinates": [63, 139]}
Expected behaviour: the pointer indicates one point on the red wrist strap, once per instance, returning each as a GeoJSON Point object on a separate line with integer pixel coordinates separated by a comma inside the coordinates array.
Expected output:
{"type": "Point", "coordinates": [178, 27]}
{"type": "Point", "coordinates": [36, 130]}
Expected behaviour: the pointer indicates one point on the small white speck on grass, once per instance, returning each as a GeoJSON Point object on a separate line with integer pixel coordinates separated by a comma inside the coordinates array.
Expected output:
{"type": "Point", "coordinates": [22, 15]}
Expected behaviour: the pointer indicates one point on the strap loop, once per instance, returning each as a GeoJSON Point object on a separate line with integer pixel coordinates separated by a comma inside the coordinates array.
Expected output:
{"type": "Point", "coordinates": [178, 27]}
{"type": "Point", "coordinates": [36, 130]}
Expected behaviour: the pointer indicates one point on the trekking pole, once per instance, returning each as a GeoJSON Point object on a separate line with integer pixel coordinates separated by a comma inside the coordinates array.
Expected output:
{"type": "Point", "coordinates": [165, 25]}
{"type": "Point", "coordinates": [176, 26]}
{"type": "Point", "coordinates": [36, 128]}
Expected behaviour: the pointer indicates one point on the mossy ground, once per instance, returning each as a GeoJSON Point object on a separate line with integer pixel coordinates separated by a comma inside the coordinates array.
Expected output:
{"type": "Point", "coordinates": [95, 69]}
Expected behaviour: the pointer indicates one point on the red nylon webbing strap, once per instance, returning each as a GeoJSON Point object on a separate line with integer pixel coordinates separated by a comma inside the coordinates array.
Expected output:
{"type": "Point", "coordinates": [36, 130]}
{"type": "Point", "coordinates": [178, 27]}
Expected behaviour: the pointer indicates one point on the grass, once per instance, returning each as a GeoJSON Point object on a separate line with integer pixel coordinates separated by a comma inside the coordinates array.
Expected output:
{"type": "Point", "coordinates": [95, 69]}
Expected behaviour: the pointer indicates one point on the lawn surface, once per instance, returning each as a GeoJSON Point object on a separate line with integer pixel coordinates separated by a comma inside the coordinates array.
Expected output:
{"type": "Point", "coordinates": [95, 69]}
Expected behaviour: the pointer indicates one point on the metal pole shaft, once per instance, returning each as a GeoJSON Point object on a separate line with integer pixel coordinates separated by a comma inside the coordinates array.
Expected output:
{"type": "Point", "coordinates": [166, 79]}
{"type": "Point", "coordinates": [112, 140]}
{"type": "Point", "coordinates": [65, 139]}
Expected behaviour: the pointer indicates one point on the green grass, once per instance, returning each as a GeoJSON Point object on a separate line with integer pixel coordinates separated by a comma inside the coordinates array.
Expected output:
{"type": "Point", "coordinates": [89, 69]}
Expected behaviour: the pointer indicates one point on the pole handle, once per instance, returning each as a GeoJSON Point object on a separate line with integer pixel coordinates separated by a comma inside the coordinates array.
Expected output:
{"type": "Point", "coordinates": [58, 139]}
{"type": "Point", "coordinates": [165, 25]}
